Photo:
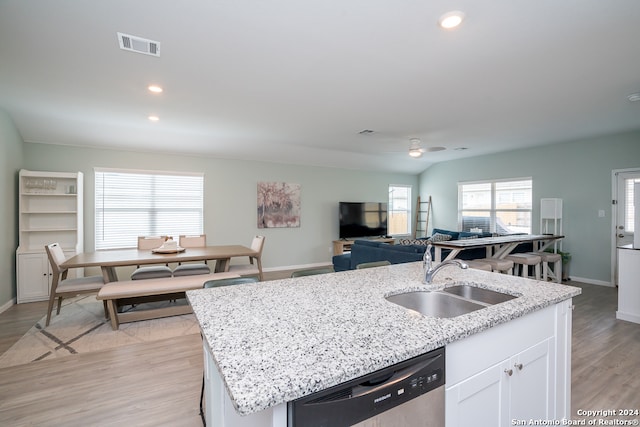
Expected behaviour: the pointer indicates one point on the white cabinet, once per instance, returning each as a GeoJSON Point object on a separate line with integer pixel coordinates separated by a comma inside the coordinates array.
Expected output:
{"type": "Point", "coordinates": [511, 372]}
{"type": "Point", "coordinates": [629, 284]}
{"type": "Point", "coordinates": [518, 388]}
{"type": "Point", "coordinates": [34, 274]}
{"type": "Point", "coordinates": [50, 210]}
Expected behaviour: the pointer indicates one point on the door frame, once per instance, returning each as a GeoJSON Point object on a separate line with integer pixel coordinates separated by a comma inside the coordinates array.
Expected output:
{"type": "Point", "coordinates": [614, 219]}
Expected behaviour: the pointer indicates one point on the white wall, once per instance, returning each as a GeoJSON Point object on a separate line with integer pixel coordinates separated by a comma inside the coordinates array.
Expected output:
{"type": "Point", "coordinates": [230, 195]}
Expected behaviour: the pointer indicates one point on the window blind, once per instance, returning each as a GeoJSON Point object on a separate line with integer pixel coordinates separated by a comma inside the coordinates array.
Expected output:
{"type": "Point", "coordinates": [501, 207]}
{"type": "Point", "coordinates": [129, 204]}
{"type": "Point", "coordinates": [629, 209]}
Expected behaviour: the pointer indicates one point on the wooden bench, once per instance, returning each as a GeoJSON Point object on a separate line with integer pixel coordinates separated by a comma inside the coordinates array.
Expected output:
{"type": "Point", "coordinates": [141, 291]}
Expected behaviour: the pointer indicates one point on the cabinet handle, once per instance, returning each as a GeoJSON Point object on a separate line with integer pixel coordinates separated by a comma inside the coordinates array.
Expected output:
{"type": "Point", "coordinates": [519, 366]}
{"type": "Point", "coordinates": [508, 372]}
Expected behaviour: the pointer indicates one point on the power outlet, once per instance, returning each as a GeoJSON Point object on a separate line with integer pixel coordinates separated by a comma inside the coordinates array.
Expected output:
{"type": "Point", "coordinates": [601, 213]}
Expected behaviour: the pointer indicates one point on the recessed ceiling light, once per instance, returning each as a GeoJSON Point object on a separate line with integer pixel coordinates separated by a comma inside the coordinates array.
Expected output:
{"type": "Point", "coordinates": [451, 19]}
{"type": "Point", "coordinates": [154, 118]}
{"type": "Point", "coordinates": [155, 89]}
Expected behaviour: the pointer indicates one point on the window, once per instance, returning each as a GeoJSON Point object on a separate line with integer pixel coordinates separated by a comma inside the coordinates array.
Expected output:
{"type": "Point", "coordinates": [501, 207]}
{"type": "Point", "coordinates": [129, 204]}
{"type": "Point", "coordinates": [399, 209]}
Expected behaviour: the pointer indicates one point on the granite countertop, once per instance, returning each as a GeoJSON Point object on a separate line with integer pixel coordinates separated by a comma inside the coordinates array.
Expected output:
{"type": "Point", "coordinates": [276, 341]}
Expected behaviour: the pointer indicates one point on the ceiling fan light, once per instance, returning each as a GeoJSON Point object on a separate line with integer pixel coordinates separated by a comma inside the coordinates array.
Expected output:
{"type": "Point", "coordinates": [415, 152]}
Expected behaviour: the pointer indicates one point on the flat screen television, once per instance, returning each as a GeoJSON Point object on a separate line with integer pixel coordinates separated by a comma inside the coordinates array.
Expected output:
{"type": "Point", "coordinates": [362, 219]}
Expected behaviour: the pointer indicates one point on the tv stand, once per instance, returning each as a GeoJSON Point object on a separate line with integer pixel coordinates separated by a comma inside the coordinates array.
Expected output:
{"type": "Point", "coordinates": [344, 245]}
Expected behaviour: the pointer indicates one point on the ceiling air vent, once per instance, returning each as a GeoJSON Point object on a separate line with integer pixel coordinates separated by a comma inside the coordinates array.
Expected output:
{"type": "Point", "coordinates": [138, 44]}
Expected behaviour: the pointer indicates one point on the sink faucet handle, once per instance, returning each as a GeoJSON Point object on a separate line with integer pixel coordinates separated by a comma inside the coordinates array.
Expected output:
{"type": "Point", "coordinates": [426, 259]}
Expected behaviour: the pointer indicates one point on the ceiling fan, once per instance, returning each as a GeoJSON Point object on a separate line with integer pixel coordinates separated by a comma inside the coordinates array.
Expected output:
{"type": "Point", "coordinates": [416, 150]}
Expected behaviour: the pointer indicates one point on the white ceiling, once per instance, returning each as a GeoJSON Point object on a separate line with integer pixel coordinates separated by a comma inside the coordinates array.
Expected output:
{"type": "Point", "coordinates": [296, 81]}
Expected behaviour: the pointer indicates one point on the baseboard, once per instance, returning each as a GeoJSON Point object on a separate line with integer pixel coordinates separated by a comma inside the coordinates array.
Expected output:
{"type": "Point", "coordinates": [591, 281]}
{"type": "Point", "coordinates": [298, 267]}
{"type": "Point", "coordinates": [629, 317]}
{"type": "Point", "coordinates": [7, 305]}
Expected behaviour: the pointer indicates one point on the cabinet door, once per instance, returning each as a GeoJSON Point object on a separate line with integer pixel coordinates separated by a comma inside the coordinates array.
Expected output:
{"type": "Point", "coordinates": [480, 400]}
{"type": "Point", "coordinates": [531, 385]}
{"type": "Point", "coordinates": [34, 277]}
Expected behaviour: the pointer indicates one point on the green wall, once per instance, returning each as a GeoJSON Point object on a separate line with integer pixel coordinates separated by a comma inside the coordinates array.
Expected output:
{"type": "Point", "coordinates": [10, 164]}
{"type": "Point", "coordinates": [579, 172]}
{"type": "Point", "coordinates": [230, 195]}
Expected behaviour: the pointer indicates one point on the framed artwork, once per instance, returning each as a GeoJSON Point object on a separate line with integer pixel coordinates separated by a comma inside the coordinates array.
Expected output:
{"type": "Point", "coordinates": [278, 205]}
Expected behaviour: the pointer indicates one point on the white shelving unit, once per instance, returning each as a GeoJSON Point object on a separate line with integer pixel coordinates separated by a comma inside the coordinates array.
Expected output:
{"type": "Point", "coordinates": [50, 210]}
{"type": "Point", "coordinates": [551, 219]}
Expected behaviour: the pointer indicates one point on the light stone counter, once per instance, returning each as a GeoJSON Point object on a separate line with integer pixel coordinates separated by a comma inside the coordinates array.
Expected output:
{"type": "Point", "coordinates": [276, 341]}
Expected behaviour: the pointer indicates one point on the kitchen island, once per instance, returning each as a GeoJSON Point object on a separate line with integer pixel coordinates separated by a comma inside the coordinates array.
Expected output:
{"type": "Point", "coordinates": [270, 343]}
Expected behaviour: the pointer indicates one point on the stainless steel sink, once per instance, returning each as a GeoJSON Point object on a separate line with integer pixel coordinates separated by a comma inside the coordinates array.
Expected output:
{"type": "Point", "coordinates": [435, 304]}
{"type": "Point", "coordinates": [479, 294]}
{"type": "Point", "coordinates": [451, 302]}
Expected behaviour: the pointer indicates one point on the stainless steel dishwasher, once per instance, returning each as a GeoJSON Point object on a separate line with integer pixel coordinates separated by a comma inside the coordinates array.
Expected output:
{"type": "Point", "coordinates": [408, 394]}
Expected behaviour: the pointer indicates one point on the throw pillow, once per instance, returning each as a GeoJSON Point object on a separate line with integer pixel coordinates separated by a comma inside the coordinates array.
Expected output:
{"type": "Point", "coordinates": [437, 237]}
{"type": "Point", "coordinates": [453, 234]}
{"type": "Point", "coordinates": [419, 242]}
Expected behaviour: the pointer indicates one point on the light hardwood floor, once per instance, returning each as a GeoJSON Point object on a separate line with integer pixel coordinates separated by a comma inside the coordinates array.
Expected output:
{"type": "Point", "coordinates": [158, 383]}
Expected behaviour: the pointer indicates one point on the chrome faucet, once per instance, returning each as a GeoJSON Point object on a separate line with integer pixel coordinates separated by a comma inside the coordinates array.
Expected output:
{"type": "Point", "coordinates": [430, 270]}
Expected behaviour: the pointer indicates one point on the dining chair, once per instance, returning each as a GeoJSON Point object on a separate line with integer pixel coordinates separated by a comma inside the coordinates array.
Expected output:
{"type": "Point", "coordinates": [148, 243]}
{"type": "Point", "coordinates": [61, 287]}
{"type": "Point", "coordinates": [191, 269]}
{"type": "Point", "coordinates": [252, 269]}
{"type": "Point", "coordinates": [372, 264]}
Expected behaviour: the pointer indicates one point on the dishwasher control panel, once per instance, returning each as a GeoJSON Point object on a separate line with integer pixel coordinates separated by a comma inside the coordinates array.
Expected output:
{"type": "Point", "coordinates": [365, 397]}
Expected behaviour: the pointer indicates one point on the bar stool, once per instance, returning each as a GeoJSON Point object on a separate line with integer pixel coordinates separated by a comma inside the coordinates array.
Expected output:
{"type": "Point", "coordinates": [497, 264]}
{"type": "Point", "coordinates": [523, 261]}
{"type": "Point", "coordinates": [479, 265]}
{"type": "Point", "coordinates": [548, 258]}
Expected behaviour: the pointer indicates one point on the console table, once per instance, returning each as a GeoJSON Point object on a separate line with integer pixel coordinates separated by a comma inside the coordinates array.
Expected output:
{"type": "Point", "coordinates": [342, 246]}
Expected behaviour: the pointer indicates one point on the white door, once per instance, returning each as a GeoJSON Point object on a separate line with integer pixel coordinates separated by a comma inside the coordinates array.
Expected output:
{"type": "Point", "coordinates": [623, 211]}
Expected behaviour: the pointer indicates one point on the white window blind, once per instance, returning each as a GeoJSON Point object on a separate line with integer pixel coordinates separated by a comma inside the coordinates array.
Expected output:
{"type": "Point", "coordinates": [129, 204]}
{"type": "Point", "coordinates": [399, 209]}
{"type": "Point", "coordinates": [629, 209]}
{"type": "Point", "coordinates": [501, 207]}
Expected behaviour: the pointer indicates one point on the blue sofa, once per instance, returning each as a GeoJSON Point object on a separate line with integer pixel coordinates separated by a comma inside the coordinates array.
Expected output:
{"type": "Point", "coordinates": [369, 251]}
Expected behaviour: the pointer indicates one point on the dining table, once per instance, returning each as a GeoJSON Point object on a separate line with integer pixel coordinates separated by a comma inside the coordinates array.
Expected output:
{"type": "Point", "coordinates": [109, 259]}
{"type": "Point", "coordinates": [497, 247]}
